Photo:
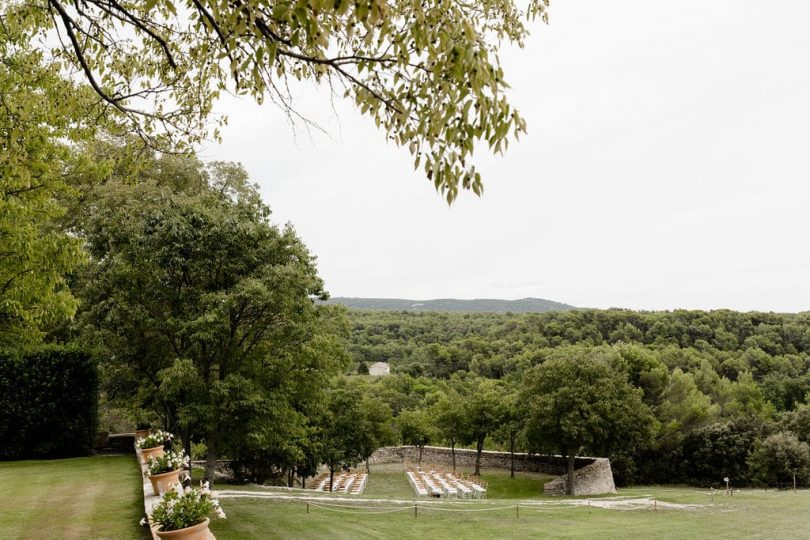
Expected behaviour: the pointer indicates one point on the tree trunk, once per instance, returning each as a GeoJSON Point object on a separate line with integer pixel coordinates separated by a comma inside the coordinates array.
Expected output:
{"type": "Point", "coordinates": [210, 458]}
{"type": "Point", "coordinates": [512, 456]}
{"type": "Point", "coordinates": [290, 478]}
{"type": "Point", "coordinates": [479, 447]}
{"type": "Point", "coordinates": [420, 456]}
{"type": "Point", "coordinates": [453, 452]}
{"type": "Point", "coordinates": [794, 481]}
{"type": "Point", "coordinates": [368, 470]}
{"type": "Point", "coordinates": [331, 479]}
{"type": "Point", "coordinates": [569, 485]}
{"type": "Point", "coordinates": [303, 482]}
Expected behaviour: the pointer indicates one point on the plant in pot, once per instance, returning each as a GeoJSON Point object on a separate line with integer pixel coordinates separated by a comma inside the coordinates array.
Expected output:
{"type": "Point", "coordinates": [184, 513]}
{"type": "Point", "coordinates": [152, 445]}
{"type": "Point", "coordinates": [164, 471]}
{"type": "Point", "coordinates": [142, 429]}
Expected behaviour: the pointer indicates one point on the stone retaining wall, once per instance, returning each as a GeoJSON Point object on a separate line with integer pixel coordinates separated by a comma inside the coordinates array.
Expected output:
{"type": "Point", "coordinates": [593, 475]}
{"type": "Point", "coordinates": [593, 479]}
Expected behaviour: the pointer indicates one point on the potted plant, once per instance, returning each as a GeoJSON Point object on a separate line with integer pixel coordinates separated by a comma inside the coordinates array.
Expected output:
{"type": "Point", "coordinates": [164, 471]}
{"type": "Point", "coordinates": [184, 513]}
{"type": "Point", "coordinates": [152, 445]}
{"type": "Point", "coordinates": [142, 429]}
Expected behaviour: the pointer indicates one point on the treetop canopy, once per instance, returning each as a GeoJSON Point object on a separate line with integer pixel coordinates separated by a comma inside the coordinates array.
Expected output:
{"type": "Point", "coordinates": [426, 71]}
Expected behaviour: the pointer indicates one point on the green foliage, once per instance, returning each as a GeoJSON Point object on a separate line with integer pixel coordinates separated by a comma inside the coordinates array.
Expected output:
{"type": "Point", "coordinates": [427, 73]}
{"type": "Point", "coordinates": [416, 428]}
{"type": "Point", "coordinates": [48, 403]}
{"type": "Point", "coordinates": [711, 453]}
{"type": "Point", "coordinates": [41, 114]}
{"type": "Point", "coordinates": [341, 431]}
{"type": "Point", "coordinates": [797, 422]}
{"type": "Point", "coordinates": [207, 311]}
{"type": "Point", "coordinates": [576, 402]}
{"type": "Point", "coordinates": [374, 426]}
{"type": "Point", "coordinates": [780, 457]}
{"type": "Point", "coordinates": [483, 412]}
{"type": "Point", "coordinates": [449, 417]}
{"type": "Point", "coordinates": [701, 373]}
{"type": "Point", "coordinates": [683, 409]}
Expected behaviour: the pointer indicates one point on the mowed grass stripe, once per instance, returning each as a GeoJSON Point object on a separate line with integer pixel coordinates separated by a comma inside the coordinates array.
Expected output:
{"type": "Point", "coordinates": [80, 498]}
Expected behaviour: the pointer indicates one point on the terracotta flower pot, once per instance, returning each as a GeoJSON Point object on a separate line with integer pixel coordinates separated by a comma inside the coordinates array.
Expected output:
{"type": "Point", "coordinates": [147, 453]}
{"type": "Point", "coordinates": [141, 433]}
{"type": "Point", "coordinates": [195, 532]}
{"type": "Point", "coordinates": [163, 481]}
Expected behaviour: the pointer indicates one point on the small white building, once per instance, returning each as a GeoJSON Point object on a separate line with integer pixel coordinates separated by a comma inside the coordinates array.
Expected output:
{"type": "Point", "coordinates": [379, 369]}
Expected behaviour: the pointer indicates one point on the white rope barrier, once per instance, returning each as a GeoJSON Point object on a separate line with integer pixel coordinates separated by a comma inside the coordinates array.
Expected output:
{"type": "Point", "coordinates": [361, 507]}
{"type": "Point", "coordinates": [361, 513]}
{"type": "Point", "coordinates": [468, 509]}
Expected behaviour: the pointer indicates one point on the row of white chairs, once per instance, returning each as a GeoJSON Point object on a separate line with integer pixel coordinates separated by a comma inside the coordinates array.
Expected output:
{"type": "Point", "coordinates": [345, 482]}
{"type": "Point", "coordinates": [443, 484]}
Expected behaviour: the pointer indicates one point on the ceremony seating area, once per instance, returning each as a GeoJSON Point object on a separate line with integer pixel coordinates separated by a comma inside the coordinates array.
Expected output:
{"type": "Point", "coordinates": [352, 482]}
{"type": "Point", "coordinates": [435, 482]}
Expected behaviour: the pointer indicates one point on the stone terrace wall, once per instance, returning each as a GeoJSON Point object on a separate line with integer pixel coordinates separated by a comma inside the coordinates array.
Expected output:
{"type": "Point", "coordinates": [593, 475]}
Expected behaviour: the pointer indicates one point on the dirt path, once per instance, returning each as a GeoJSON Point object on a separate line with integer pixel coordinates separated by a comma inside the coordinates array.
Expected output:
{"type": "Point", "coordinates": [612, 503]}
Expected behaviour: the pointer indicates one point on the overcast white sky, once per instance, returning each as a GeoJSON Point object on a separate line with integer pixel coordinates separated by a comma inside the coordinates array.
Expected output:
{"type": "Point", "coordinates": [667, 165]}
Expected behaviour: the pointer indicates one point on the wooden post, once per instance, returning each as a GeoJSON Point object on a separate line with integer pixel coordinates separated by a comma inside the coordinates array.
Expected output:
{"type": "Point", "coordinates": [415, 510]}
{"type": "Point", "coordinates": [307, 507]}
{"type": "Point", "coordinates": [794, 482]}
{"type": "Point", "coordinates": [655, 504]}
{"type": "Point", "coordinates": [517, 511]}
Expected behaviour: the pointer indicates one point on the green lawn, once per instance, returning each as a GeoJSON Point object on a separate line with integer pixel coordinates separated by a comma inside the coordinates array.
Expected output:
{"type": "Point", "coordinates": [749, 514]}
{"type": "Point", "coordinates": [100, 497]}
{"type": "Point", "coordinates": [81, 498]}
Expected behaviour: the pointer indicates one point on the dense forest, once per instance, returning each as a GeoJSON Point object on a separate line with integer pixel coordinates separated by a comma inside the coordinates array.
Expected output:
{"type": "Point", "coordinates": [719, 384]}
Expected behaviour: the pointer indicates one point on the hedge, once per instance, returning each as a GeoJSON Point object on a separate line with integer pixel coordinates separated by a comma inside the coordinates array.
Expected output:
{"type": "Point", "coordinates": [48, 403]}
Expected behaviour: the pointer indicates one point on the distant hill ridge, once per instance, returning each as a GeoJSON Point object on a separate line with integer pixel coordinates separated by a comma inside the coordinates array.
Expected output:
{"type": "Point", "coordinates": [524, 305]}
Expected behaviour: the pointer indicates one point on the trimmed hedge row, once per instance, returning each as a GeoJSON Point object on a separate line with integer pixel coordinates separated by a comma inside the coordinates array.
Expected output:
{"type": "Point", "coordinates": [48, 403]}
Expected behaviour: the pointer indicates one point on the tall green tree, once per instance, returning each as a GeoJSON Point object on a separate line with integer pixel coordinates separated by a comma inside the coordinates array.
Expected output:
{"type": "Point", "coordinates": [416, 429]}
{"type": "Point", "coordinates": [341, 433]}
{"type": "Point", "coordinates": [683, 409]}
{"type": "Point", "coordinates": [577, 402]}
{"type": "Point", "coordinates": [483, 411]}
{"type": "Point", "coordinates": [779, 457]}
{"type": "Point", "coordinates": [209, 309]}
{"type": "Point", "coordinates": [427, 73]}
{"type": "Point", "coordinates": [451, 422]}
{"type": "Point", "coordinates": [512, 425]}
{"type": "Point", "coordinates": [375, 427]}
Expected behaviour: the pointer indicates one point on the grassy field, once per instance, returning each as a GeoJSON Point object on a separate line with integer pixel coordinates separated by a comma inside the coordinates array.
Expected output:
{"type": "Point", "coordinates": [94, 497]}
{"type": "Point", "coordinates": [749, 514]}
{"type": "Point", "coordinates": [100, 498]}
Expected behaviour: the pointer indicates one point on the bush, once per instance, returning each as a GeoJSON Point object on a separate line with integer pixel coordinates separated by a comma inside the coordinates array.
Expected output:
{"type": "Point", "coordinates": [48, 403]}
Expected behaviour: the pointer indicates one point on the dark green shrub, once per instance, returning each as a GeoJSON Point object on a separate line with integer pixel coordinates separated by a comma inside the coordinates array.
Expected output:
{"type": "Point", "coordinates": [48, 403]}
